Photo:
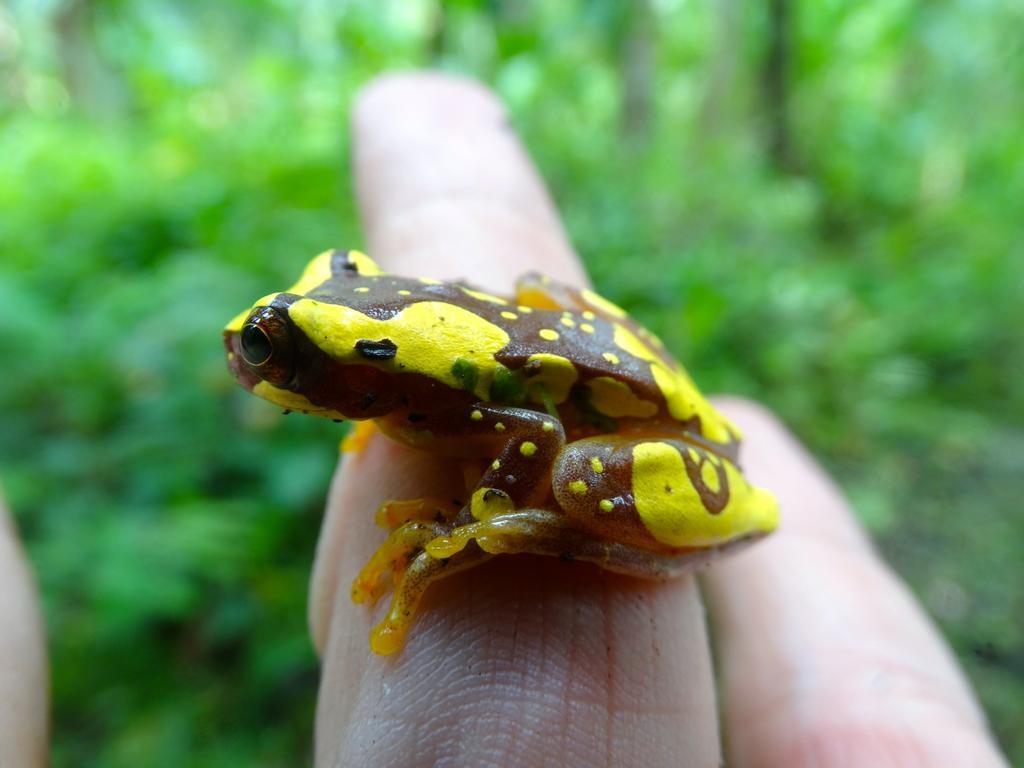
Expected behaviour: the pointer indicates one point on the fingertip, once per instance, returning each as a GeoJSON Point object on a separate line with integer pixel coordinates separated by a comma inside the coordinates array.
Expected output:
{"type": "Point", "coordinates": [424, 98]}
{"type": "Point", "coordinates": [446, 189]}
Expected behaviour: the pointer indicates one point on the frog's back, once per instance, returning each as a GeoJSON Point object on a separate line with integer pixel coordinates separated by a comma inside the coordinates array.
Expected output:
{"type": "Point", "coordinates": [585, 354]}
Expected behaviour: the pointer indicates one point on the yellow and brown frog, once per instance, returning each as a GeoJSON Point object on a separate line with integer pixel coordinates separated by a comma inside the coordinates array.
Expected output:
{"type": "Point", "coordinates": [597, 444]}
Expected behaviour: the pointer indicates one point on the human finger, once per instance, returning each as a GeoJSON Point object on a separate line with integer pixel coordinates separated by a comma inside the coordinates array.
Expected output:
{"type": "Point", "coordinates": [826, 658]}
{"type": "Point", "coordinates": [23, 675]}
{"type": "Point", "coordinates": [522, 661]}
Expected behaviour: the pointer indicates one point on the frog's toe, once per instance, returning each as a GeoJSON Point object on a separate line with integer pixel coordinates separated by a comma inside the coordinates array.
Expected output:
{"type": "Point", "coordinates": [391, 559]}
{"type": "Point", "coordinates": [389, 635]}
{"type": "Point", "coordinates": [516, 531]}
{"type": "Point", "coordinates": [443, 547]}
{"type": "Point", "coordinates": [386, 638]}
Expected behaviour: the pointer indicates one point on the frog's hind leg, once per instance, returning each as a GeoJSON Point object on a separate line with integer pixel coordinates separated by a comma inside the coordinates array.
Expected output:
{"type": "Point", "coordinates": [529, 531]}
{"type": "Point", "coordinates": [542, 532]}
{"type": "Point", "coordinates": [513, 531]}
{"type": "Point", "coordinates": [389, 635]}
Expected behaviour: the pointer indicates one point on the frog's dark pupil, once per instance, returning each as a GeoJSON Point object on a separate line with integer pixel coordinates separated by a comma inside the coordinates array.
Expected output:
{"type": "Point", "coordinates": [256, 346]}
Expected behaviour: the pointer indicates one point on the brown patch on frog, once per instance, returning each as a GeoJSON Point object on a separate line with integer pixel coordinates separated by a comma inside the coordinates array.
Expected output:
{"type": "Point", "coordinates": [714, 501]}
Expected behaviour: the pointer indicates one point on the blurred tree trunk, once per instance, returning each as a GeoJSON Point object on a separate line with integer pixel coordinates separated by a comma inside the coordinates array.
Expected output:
{"type": "Point", "coordinates": [637, 61]}
{"type": "Point", "coordinates": [436, 39]}
{"type": "Point", "coordinates": [718, 96]}
{"type": "Point", "coordinates": [776, 84]}
{"type": "Point", "coordinates": [89, 82]}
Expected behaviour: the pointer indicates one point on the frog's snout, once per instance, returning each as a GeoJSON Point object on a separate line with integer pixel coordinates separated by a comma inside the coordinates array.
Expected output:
{"type": "Point", "coordinates": [232, 345]}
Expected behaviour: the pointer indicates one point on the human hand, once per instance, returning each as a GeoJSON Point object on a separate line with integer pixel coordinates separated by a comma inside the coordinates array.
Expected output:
{"type": "Point", "coordinates": [825, 658]}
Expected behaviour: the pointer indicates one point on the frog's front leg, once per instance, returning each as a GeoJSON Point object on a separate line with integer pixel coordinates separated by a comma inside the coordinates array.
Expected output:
{"type": "Point", "coordinates": [520, 446]}
{"type": "Point", "coordinates": [524, 443]}
{"type": "Point", "coordinates": [388, 636]}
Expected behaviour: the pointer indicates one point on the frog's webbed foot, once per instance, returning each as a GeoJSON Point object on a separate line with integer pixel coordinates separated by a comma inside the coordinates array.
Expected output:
{"type": "Point", "coordinates": [393, 558]}
{"type": "Point", "coordinates": [418, 553]}
{"type": "Point", "coordinates": [389, 635]}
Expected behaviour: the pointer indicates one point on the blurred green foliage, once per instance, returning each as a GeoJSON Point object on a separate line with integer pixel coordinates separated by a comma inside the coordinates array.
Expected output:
{"type": "Point", "coordinates": [821, 210]}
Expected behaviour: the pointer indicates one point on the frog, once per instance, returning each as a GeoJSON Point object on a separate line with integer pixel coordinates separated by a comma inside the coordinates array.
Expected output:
{"type": "Point", "coordinates": [580, 436]}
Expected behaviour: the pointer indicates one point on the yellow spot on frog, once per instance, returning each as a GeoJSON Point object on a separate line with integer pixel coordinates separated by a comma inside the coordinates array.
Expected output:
{"type": "Point", "coordinates": [596, 465]}
{"type": "Point", "coordinates": [362, 289]}
{"type": "Point", "coordinates": [602, 304]}
{"type": "Point", "coordinates": [524, 309]}
{"type": "Point", "coordinates": [614, 398]}
{"type": "Point", "coordinates": [611, 357]}
{"type": "Point", "coordinates": [429, 335]}
{"type": "Point", "coordinates": [709, 476]}
{"type": "Point", "coordinates": [588, 315]}
{"type": "Point", "coordinates": [495, 465]}
{"type": "Point", "coordinates": [547, 426]}
{"type": "Point", "coordinates": [481, 296]}
{"type": "Point", "coordinates": [568, 322]}
{"type": "Point", "coordinates": [476, 415]}
{"type": "Point", "coordinates": [404, 292]}
{"type": "Point", "coordinates": [499, 427]}
{"type": "Point", "coordinates": [528, 449]}
{"type": "Point", "coordinates": [671, 508]}
{"type": "Point", "coordinates": [510, 315]}
{"type": "Point", "coordinates": [553, 378]}
{"type": "Point", "coordinates": [429, 281]}
{"type": "Point", "coordinates": [578, 487]}
{"type": "Point", "coordinates": [606, 505]}
{"type": "Point", "coordinates": [486, 503]}
{"type": "Point", "coordinates": [549, 335]}
{"type": "Point", "coordinates": [586, 327]}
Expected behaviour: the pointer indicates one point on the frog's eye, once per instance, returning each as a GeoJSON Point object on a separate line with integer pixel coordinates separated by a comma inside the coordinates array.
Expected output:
{"type": "Point", "coordinates": [256, 346]}
{"type": "Point", "coordinates": [265, 344]}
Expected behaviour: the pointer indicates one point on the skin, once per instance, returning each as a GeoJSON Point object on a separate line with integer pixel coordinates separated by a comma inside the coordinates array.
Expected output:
{"type": "Point", "coordinates": [824, 658]}
{"type": "Point", "coordinates": [23, 675]}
